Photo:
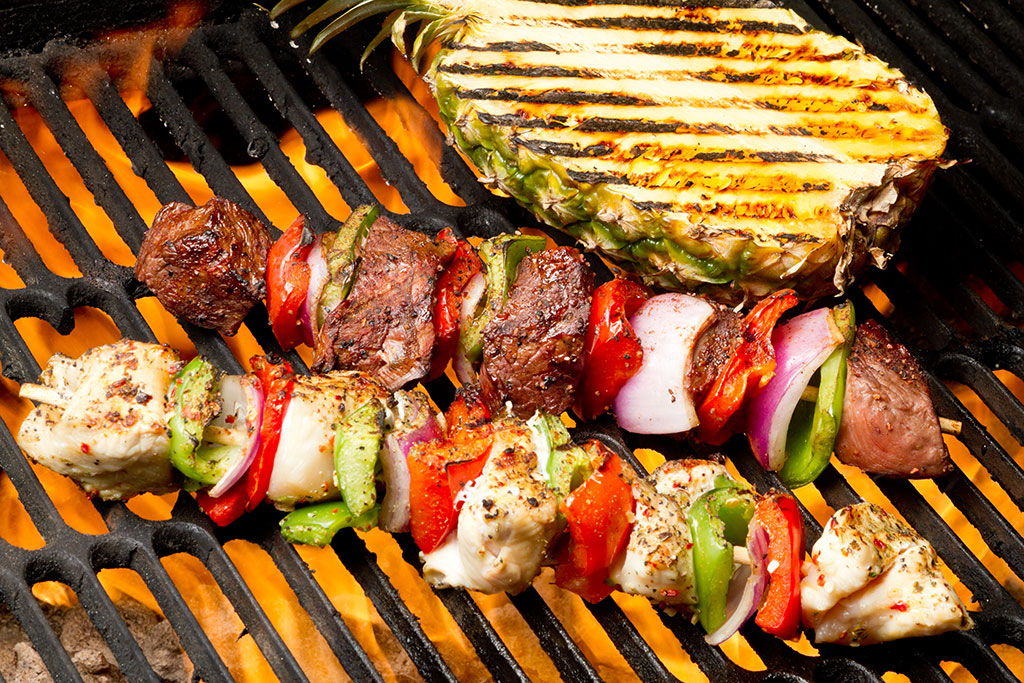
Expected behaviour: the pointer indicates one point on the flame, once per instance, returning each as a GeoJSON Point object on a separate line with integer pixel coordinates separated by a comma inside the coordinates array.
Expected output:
{"type": "Point", "coordinates": [404, 120]}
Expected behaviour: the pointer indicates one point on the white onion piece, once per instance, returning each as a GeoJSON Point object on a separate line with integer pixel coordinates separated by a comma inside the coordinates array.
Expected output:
{"type": "Point", "coordinates": [746, 588]}
{"type": "Point", "coordinates": [801, 346]}
{"type": "Point", "coordinates": [318, 275]}
{"type": "Point", "coordinates": [242, 402]}
{"type": "Point", "coordinates": [416, 423]}
{"type": "Point", "coordinates": [657, 399]}
{"type": "Point", "coordinates": [472, 295]}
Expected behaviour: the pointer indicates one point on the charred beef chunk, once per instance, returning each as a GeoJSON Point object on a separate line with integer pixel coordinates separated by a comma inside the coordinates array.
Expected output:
{"type": "Point", "coordinates": [714, 349]}
{"type": "Point", "coordinates": [385, 326]}
{"type": "Point", "coordinates": [533, 347]}
{"type": "Point", "coordinates": [889, 425]}
{"type": "Point", "coordinates": [206, 264]}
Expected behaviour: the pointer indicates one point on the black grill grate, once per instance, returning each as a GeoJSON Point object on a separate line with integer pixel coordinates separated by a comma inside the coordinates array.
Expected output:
{"type": "Point", "coordinates": [966, 54]}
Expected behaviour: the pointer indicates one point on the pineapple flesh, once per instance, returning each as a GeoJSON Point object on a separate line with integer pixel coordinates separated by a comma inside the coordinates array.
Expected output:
{"type": "Point", "coordinates": [730, 150]}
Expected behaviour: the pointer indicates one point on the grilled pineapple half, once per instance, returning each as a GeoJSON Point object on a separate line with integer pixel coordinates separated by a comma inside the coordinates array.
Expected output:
{"type": "Point", "coordinates": [730, 150]}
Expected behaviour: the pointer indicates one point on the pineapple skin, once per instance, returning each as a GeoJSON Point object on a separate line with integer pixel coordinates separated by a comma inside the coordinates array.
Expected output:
{"type": "Point", "coordinates": [730, 266]}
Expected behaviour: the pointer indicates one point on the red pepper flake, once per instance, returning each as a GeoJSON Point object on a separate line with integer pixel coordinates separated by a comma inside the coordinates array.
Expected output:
{"type": "Point", "coordinates": [821, 579]}
{"type": "Point", "coordinates": [85, 448]}
{"type": "Point", "coordinates": [670, 592]}
{"type": "Point", "coordinates": [900, 606]}
{"type": "Point", "coordinates": [880, 544]}
{"type": "Point", "coordinates": [230, 419]}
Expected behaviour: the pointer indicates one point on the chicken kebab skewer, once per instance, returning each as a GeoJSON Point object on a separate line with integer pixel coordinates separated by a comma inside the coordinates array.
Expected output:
{"type": "Point", "coordinates": [489, 499]}
{"type": "Point", "coordinates": [525, 323]}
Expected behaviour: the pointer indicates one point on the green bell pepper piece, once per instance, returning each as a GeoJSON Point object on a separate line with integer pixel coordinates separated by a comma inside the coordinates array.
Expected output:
{"type": "Point", "coordinates": [193, 397]}
{"type": "Point", "coordinates": [317, 524]}
{"type": "Point", "coordinates": [717, 519]}
{"type": "Point", "coordinates": [340, 251]}
{"type": "Point", "coordinates": [358, 439]}
{"type": "Point", "coordinates": [568, 465]}
{"type": "Point", "coordinates": [813, 429]}
{"type": "Point", "coordinates": [501, 257]}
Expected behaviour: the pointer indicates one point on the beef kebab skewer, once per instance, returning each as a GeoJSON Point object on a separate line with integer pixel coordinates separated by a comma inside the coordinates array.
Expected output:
{"type": "Point", "coordinates": [526, 324]}
{"type": "Point", "coordinates": [489, 499]}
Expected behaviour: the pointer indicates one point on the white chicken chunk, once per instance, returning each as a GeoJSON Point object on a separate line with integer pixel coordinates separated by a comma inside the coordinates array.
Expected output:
{"type": "Point", "coordinates": [508, 519]}
{"type": "Point", "coordinates": [304, 462]}
{"type": "Point", "coordinates": [658, 563]}
{"type": "Point", "coordinates": [872, 578]}
{"type": "Point", "coordinates": [104, 419]}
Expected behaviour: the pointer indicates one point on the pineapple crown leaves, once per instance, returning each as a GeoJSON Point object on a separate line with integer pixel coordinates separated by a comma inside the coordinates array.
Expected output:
{"type": "Point", "coordinates": [439, 22]}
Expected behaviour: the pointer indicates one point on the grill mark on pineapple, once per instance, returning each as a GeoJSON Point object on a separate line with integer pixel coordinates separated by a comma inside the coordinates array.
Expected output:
{"type": "Point", "coordinates": [838, 130]}
{"type": "Point", "coordinates": [566, 97]}
{"type": "Point", "coordinates": [782, 103]}
{"type": "Point", "coordinates": [634, 23]}
{"type": "Point", "coordinates": [766, 77]}
{"type": "Point", "coordinates": [758, 50]}
{"type": "Point", "coordinates": [696, 4]}
{"type": "Point", "coordinates": [733, 156]}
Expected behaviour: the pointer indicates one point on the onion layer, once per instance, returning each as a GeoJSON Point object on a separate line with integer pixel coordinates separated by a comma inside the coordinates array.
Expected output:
{"type": "Point", "coordinates": [747, 587]}
{"type": "Point", "coordinates": [241, 399]}
{"type": "Point", "coordinates": [801, 346]}
{"type": "Point", "coordinates": [414, 422]}
{"type": "Point", "coordinates": [657, 399]}
{"type": "Point", "coordinates": [318, 275]}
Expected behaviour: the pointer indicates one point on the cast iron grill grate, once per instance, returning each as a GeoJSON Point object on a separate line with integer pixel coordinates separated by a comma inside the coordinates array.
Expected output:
{"type": "Point", "coordinates": [965, 240]}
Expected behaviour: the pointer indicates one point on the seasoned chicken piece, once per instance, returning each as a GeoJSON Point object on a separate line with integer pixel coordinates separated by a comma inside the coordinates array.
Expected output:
{"type": "Point", "coordinates": [658, 563]}
{"type": "Point", "coordinates": [304, 461]}
{"type": "Point", "coordinates": [872, 578]}
{"type": "Point", "coordinates": [104, 419]}
{"type": "Point", "coordinates": [506, 522]}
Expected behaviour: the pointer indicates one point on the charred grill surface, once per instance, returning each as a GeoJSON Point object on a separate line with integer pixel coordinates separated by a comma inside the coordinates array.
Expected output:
{"type": "Point", "coordinates": [957, 304]}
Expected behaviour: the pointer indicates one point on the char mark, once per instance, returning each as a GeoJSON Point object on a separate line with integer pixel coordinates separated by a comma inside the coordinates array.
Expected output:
{"type": "Point", "coordinates": [563, 149]}
{"type": "Point", "coordinates": [567, 97]}
{"type": "Point", "coordinates": [522, 71]}
{"type": "Point", "coordinates": [679, 24]}
{"type": "Point", "coordinates": [505, 46]}
{"type": "Point", "coordinates": [594, 177]}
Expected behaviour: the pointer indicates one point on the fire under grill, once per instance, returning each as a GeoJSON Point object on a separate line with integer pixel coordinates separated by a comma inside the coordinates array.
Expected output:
{"type": "Point", "coordinates": [955, 299]}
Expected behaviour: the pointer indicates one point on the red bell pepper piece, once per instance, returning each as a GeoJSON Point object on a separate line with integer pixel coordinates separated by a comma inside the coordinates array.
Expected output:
{"type": "Point", "coordinates": [611, 350]}
{"type": "Point", "coordinates": [288, 283]}
{"type": "Point", "coordinates": [749, 368]}
{"type": "Point", "coordinates": [276, 380]}
{"type": "Point", "coordinates": [448, 301]}
{"type": "Point", "coordinates": [228, 507]}
{"type": "Point", "coordinates": [780, 608]}
{"type": "Point", "coordinates": [467, 411]}
{"type": "Point", "coordinates": [432, 515]}
{"type": "Point", "coordinates": [598, 515]}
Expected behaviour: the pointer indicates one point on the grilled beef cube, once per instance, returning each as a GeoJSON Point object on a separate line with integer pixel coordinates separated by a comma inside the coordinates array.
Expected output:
{"type": "Point", "coordinates": [713, 350]}
{"type": "Point", "coordinates": [385, 326]}
{"type": "Point", "coordinates": [889, 425]}
{"type": "Point", "coordinates": [206, 264]}
{"type": "Point", "coordinates": [533, 348]}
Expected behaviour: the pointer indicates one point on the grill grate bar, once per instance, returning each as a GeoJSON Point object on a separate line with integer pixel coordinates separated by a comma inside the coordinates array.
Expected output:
{"type": "Point", "coordinates": [393, 165]}
{"type": "Point", "coordinates": [313, 599]}
{"type": "Point", "coordinates": [87, 161]}
{"type": "Point", "coordinates": [489, 646]}
{"type": "Point", "coordinates": [573, 665]}
{"type": "Point", "coordinates": [191, 139]}
{"type": "Point", "coordinates": [208, 664]}
{"type": "Point", "coordinates": [63, 222]}
{"type": "Point", "coordinates": [145, 157]}
{"type": "Point", "coordinates": [196, 540]}
{"type": "Point", "coordinates": [262, 144]}
{"type": "Point", "coordinates": [363, 565]}
{"type": "Point", "coordinates": [630, 644]}
{"type": "Point", "coordinates": [19, 599]}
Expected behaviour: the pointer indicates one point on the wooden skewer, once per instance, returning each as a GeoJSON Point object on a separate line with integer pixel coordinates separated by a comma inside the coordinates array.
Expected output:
{"type": "Point", "coordinates": [214, 434]}
{"type": "Point", "coordinates": [947, 425]}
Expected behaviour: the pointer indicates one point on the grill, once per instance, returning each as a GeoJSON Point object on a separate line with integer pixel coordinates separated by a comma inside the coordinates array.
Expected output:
{"type": "Point", "coordinates": [955, 298]}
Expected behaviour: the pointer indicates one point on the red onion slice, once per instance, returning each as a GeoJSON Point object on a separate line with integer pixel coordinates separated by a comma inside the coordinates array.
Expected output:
{"type": "Point", "coordinates": [415, 422]}
{"type": "Point", "coordinates": [657, 399]}
{"type": "Point", "coordinates": [801, 346]}
{"type": "Point", "coordinates": [746, 588]}
{"type": "Point", "coordinates": [241, 408]}
{"type": "Point", "coordinates": [471, 297]}
{"type": "Point", "coordinates": [318, 275]}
